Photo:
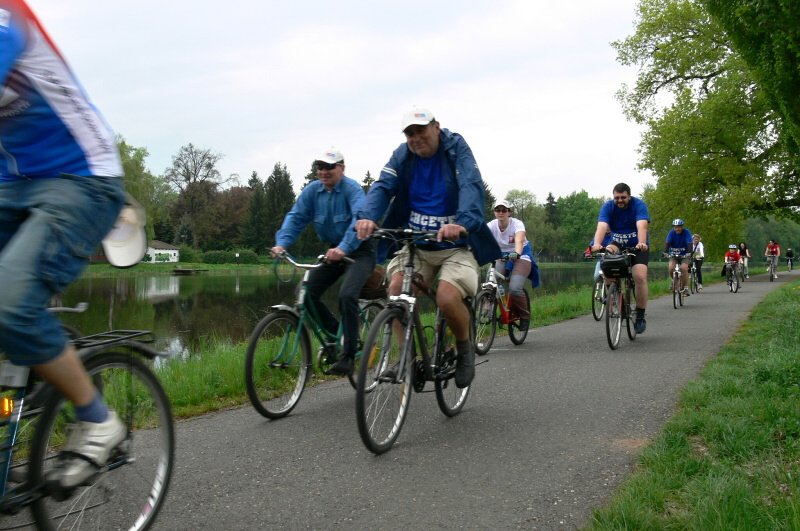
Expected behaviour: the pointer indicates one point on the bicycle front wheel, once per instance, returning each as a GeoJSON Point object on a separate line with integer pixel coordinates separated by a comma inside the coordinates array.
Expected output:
{"type": "Point", "coordinates": [693, 284]}
{"type": "Point", "coordinates": [277, 364]}
{"type": "Point", "coordinates": [517, 332]}
{"type": "Point", "coordinates": [383, 391]}
{"type": "Point", "coordinates": [675, 291]}
{"type": "Point", "coordinates": [485, 321]}
{"type": "Point", "coordinates": [613, 315]}
{"type": "Point", "coordinates": [129, 491]}
{"type": "Point", "coordinates": [598, 295]}
{"type": "Point", "coordinates": [450, 398]}
{"type": "Point", "coordinates": [368, 315]}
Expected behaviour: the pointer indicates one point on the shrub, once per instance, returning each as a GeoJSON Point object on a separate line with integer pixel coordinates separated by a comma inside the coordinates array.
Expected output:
{"type": "Point", "coordinates": [189, 254]}
{"type": "Point", "coordinates": [219, 257]}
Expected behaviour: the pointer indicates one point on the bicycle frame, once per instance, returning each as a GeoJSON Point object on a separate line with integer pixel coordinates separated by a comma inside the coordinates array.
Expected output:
{"type": "Point", "coordinates": [493, 280]}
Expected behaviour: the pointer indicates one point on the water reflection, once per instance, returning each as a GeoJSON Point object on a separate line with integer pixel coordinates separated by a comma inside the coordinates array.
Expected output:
{"type": "Point", "coordinates": [186, 312]}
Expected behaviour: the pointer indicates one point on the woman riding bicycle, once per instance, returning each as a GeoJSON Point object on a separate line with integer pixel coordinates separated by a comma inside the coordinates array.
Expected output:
{"type": "Point", "coordinates": [698, 255]}
{"type": "Point", "coordinates": [510, 235]}
{"type": "Point", "coordinates": [744, 253]}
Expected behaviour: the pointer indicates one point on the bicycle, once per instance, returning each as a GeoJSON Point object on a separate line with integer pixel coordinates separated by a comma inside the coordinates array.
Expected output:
{"type": "Point", "coordinates": [279, 361]}
{"type": "Point", "coordinates": [732, 276]}
{"type": "Point", "coordinates": [617, 269]}
{"type": "Point", "coordinates": [405, 358]}
{"type": "Point", "coordinates": [493, 297]}
{"type": "Point", "coordinates": [677, 291]}
{"type": "Point", "coordinates": [599, 292]}
{"type": "Point", "coordinates": [772, 267]}
{"type": "Point", "coordinates": [126, 492]}
{"type": "Point", "coordinates": [789, 261]}
{"type": "Point", "coordinates": [694, 286]}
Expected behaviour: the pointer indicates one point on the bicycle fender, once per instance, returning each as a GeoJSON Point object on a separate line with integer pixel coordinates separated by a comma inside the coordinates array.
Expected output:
{"type": "Point", "coordinates": [285, 308]}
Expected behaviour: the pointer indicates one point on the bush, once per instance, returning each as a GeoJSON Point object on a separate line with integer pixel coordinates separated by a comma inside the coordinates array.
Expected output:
{"type": "Point", "coordinates": [189, 254]}
{"type": "Point", "coordinates": [219, 257]}
{"type": "Point", "coordinates": [246, 256]}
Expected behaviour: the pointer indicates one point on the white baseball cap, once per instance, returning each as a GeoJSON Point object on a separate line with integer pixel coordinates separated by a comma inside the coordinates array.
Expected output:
{"type": "Point", "coordinates": [331, 156]}
{"type": "Point", "coordinates": [416, 116]}
{"type": "Point", "coordinates": [126, 244]}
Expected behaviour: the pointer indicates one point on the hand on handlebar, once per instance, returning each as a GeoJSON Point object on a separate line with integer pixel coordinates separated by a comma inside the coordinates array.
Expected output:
{"type": "Point", "coordinates": [450, 232]}
{"type": "Point", "coordinates": [365, 228]}
{"type": "Point", "coordinates": [277, 251]}
{"type": "Point", "coordinates": [513, 256]}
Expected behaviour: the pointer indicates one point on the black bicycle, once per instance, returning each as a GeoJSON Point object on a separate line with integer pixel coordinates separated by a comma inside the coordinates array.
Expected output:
{"type": "Point", "coordinates": [405, 357]}
{"type": "Point", "coordinates": [732, 276]}
{"type": "Point", "coordinates": [128, 490]}
{"type": "Point", "coordinates": [620, 296]}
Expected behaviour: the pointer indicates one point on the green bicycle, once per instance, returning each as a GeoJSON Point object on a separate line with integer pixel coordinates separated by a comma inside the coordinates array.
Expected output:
{"type": "Point", "coordinates": [279, 360]}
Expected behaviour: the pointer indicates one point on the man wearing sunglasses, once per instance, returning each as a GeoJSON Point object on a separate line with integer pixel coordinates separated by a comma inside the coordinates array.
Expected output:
{"type": "Point", "coordinates": [330, 203]}
{"type": "Point", "coordinates": [432, 182]}
{"type": "Point", "coordinates": [627, 219]}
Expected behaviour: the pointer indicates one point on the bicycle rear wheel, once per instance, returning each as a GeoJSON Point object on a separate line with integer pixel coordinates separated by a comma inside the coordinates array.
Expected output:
{"type": "Point", "coordinates": [613, 316]}
{"type": "Point", "coordinates": [598, 294]}
{"type": "Point", "coordinates": [516, 332]}
{"type": "Point", "coordinates": [368, 315]}
{"type": "Point", "coordinates": [450, 398]}
{"type": "Point", "coordinates": [277, 364]}
{"type": "Point", "coordinates": [130, 490]}
{"type": "Point", "coordinates": [485, 321]}
{"type": "Point", "coordinates": [383, 393]}
{"type": "Point", "coordinates": [629, 305]}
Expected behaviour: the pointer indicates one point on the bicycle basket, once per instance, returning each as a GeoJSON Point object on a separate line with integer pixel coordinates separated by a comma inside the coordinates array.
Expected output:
{"type": "Point", "coordinates": [615, 265]}
{"type": "Point", "coordinates": [376, 285]}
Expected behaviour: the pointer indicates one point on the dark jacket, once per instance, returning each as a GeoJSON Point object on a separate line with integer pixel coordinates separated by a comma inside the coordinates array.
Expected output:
{"type": "Point", "coordinates": [389, 195]}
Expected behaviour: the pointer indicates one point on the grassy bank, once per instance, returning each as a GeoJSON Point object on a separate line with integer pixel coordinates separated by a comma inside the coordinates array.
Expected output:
{"type": "Point", "coordinates": [730, 457]}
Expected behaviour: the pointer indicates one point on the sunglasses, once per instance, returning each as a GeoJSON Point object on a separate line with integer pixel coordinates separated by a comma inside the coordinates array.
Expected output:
{"type": "Point", "coordinates": [621, 197]}
{"type": "Point", "coordinates": [319, 165]}
{"type": "Point", "coordinates": [501, 210]}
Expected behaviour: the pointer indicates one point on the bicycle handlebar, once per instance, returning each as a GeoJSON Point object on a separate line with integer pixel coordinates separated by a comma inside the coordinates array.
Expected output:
{"type": "Point", "coordinates": [78, 308]}
{"type": "Point", "coordinates": [321, 259]}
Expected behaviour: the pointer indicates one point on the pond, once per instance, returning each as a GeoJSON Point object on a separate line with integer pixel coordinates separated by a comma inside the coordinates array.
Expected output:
{"type": "Point", "coordinates": [186, 312]}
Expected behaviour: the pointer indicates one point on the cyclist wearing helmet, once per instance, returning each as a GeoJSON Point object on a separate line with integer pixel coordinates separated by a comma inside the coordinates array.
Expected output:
{"type": "Point", "coordinates": [789, 258]}
{"type": "Point", "coordinates": [732, 257]}
{"type": "Point", "coordinates": [679, 246]}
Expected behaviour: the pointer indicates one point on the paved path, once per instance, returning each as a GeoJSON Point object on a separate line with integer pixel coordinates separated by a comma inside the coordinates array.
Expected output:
{"type": "Point", "coordinates": [550, 429]}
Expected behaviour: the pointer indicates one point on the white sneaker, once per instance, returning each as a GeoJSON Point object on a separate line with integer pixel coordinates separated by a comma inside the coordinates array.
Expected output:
{"type": "Point", "coordinates": [699, 287]}
{"type": "Point", "coordinates": [93, 442]}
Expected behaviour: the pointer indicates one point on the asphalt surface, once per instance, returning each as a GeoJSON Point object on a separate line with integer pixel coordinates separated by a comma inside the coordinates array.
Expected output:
{"type": "Point", "coordinates": [549, 430]}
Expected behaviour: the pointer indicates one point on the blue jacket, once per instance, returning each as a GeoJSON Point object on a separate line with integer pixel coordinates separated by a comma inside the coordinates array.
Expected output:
{"type": "Point", "coordinates": [390, 192]}
{"type": "Point", "coordinates": [333, 214]}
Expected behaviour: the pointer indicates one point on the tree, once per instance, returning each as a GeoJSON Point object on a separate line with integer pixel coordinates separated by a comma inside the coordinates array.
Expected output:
{"type": "Point", "coordinates": [489, 201]}
{"type": "Point", "coordinates": [578, 214]}
{"type": "Point", "coordinates": [280, 198]}
{"type": "Point", "coordinates": [366, 184]}
{"type": "Point", "coordinates": [712, 140]}
{"type": "Point", "coordinates": [522, 202]}
{"type": "Point", "coordinates": [193, 165]}
{"type": "Point", "coordinates": [551, 209]}
{"type": "Point", "coordinates": [254, 234]}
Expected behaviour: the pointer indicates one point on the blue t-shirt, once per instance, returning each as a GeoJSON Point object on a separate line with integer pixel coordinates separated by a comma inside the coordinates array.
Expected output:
{"type": "Point", "coordinates": [430, 203]}
{"type": "Point", "coordinates": [622, 221]}
{"type": "Point", "coordinates": [679, 243]}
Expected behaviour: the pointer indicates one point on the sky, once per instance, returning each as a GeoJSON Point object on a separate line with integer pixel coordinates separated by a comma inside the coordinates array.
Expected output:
{"type": "Point", "coordinates": [529, 84]}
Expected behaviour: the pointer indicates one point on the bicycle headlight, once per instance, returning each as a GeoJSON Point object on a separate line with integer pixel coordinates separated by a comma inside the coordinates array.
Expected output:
{"type": "Point", "coordinates": [6, 407]}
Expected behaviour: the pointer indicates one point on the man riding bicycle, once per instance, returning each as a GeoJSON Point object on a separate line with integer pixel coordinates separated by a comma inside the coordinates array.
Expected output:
{"type": "Point", "coordinates": [679, 243]}
{"type": "Point", "coordinates": [772, 252]}
{"type": "Point", "coordinates": [432, 182]}
{"type": "Point", "coordinates": [60, 193]}
{"type": "Point", "coordinates": [627, 219]}
{"type": "Point", "coordinates": [789, 257]}
{"type": "Point", "coordinates": [331, 203]}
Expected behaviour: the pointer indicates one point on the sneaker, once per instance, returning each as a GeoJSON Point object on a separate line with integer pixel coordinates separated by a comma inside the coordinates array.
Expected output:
{"type": "Point", "coordinates": [640, 325]}
{"type": "Point", "coordinates": [465, 368]}
{"type": "Point", "coordinates": [342, 367]}
{"type": "Point", "coordinates": [87, 450]}
{"type": "Point", "coordinates": [524, 324]}
{"type": "Point", "coordinates": [747, 276]}
{"type": "Point", "coordinates": [699, 287]}
{"type": "Point", "coordinates": [685, 292]}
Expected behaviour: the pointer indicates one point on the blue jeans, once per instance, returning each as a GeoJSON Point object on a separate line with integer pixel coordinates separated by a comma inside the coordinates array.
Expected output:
{"type": "Point", "coordinates": [49, 227]}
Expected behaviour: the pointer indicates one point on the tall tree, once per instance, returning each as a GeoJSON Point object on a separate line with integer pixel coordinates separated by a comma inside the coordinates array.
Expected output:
{"type": "Point", "coordinates": [255, 235]}
{"type": "Point", "coordinates": [578, 214]}
{"type": "Point", "coordinates": [489, 201]}
{"type": "Point", "coordinates": [551, 209]}
{"type": "Point", "coordinates": [280, 198]}
{"type": "Point", "coordinates": [193, 165]}
{"type": "Point", "coordinates": [366, 184]}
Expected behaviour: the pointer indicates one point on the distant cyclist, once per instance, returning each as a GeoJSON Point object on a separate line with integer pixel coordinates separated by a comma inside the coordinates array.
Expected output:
{"type": "Point", "coordinates": [733, 257]}
{"type": "Point", "coordinates": [789, 257]}
{"type": "Point", "coordinates": [772, 252]}
{"type": "Point", "coordinates": [698, 255]}
{"type": "Point", "coordinates": [744, 252]}
{"type": "Point", "coordinates": [679, 242]}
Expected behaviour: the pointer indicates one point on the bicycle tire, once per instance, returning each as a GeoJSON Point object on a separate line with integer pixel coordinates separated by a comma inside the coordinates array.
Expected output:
{"type": "Point", "coordinates": [137, 478]}
{"type": "Point", "coordinates": [735, 286]}
{"type": "Point", "coordinates": [693, 288]}
{"type": "Point", "coordinates": [598, 293]}
{"type": "Point", "coordinates": [368, 315]}
{"type": "Point", "coordinates": [629, 305]}
{"type": "Point", "coordinates": [675, 291]}
{"type": "Point", "coordinates": [613, 315]}
{"type": "Point", "coordinates": [383, 396]}
{"type": "Point", "coordinates": [515, 331]}
{"type": "Point", "coordinates": [275, 373]}
{"type": "Point", "coordinates": [485, 321]}
{"type": "Point", "coordinates": [449, 396]}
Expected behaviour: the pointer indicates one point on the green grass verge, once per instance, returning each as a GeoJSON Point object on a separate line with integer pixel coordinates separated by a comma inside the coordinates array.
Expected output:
{"type": "Point", "coordinates": [730, 457]}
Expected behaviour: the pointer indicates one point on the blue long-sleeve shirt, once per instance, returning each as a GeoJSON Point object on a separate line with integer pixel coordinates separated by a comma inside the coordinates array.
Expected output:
{"type": "Point", "coordinates": [332, 212]}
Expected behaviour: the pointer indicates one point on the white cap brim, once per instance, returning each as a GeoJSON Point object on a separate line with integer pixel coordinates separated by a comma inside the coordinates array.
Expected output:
{"type": "Point", "coordinates": [126, 244]}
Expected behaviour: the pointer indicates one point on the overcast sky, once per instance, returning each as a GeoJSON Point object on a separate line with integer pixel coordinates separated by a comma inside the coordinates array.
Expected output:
{"type": "Point", "coordinates": [529, 83]}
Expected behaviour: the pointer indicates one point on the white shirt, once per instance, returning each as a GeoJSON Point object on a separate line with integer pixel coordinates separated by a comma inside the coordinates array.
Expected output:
{"type": "Point", "coordinates": [505, 238]}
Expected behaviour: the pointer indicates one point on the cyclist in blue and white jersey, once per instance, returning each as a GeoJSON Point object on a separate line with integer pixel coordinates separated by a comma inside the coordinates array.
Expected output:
{"type": "Point", "coordinates": [679, 241]}
{"type": "Point", "coordinates": [60, 193]}
{"type": "Point", "coordinates": [627, 219]}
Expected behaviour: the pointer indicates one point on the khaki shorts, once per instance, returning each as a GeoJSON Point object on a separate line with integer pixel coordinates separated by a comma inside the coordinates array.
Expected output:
{"type": "Point", "coordinates": [457, 266]}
